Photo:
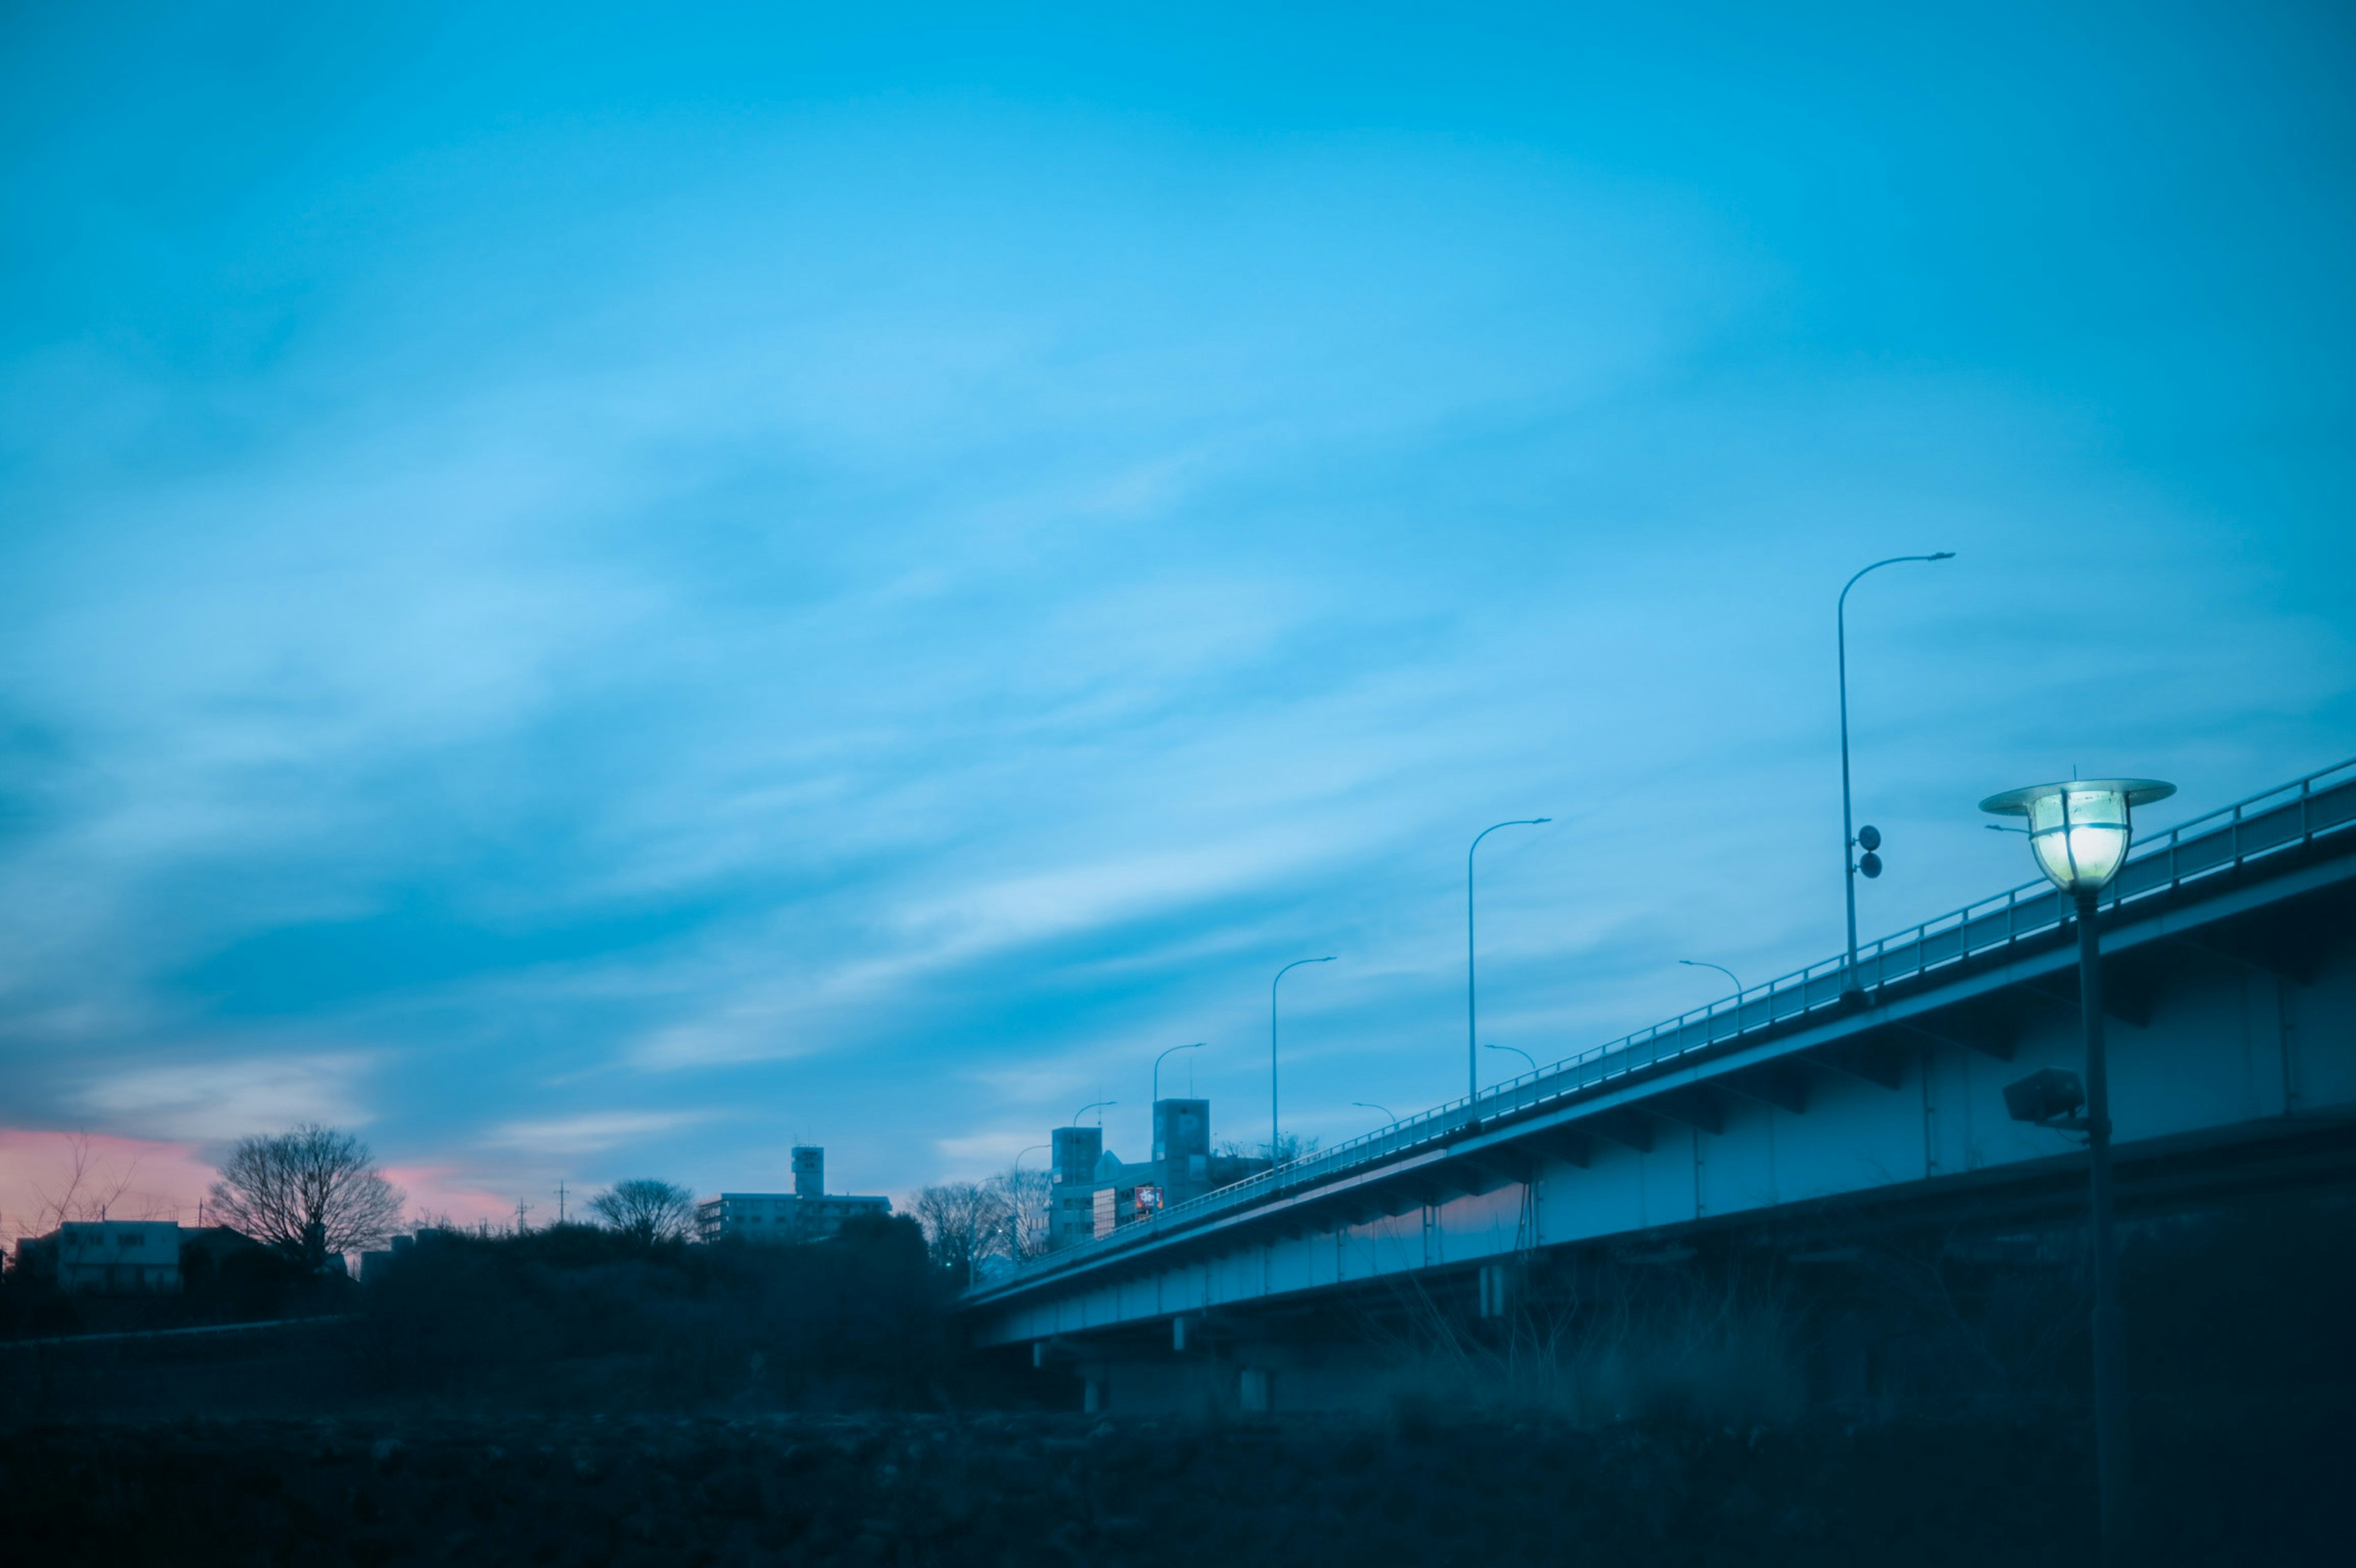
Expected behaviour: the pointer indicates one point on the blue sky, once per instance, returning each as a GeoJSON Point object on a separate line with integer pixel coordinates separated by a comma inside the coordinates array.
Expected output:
{"type": "Point", "coordinates": [593, 594]}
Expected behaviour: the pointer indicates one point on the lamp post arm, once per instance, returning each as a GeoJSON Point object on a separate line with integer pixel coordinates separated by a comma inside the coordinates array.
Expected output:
{"type": "Point", "coordinates": [1273, 1131]}
{"type": "Point", "coordinates": [1157, 1066]}
{"type": "Point", "coordinates": [1471, 1005]}
{"type": "Point", "coordinates": [1705, 963]}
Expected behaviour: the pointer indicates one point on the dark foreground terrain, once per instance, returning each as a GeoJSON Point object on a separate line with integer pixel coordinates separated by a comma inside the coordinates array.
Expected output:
{"type": "Point", "coordinates": [1046, 1489]}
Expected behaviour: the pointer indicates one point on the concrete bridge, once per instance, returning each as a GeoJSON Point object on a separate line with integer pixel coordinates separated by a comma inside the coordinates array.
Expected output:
{"type": "Point", "coordinates": [2230, 976]}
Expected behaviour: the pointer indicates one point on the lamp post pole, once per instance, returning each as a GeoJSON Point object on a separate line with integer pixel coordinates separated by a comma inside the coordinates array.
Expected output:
{"type": "Point", "coordinates": [1274, 1134]}
{"type": "Point", "coordinates": [1370, 1106]}
{"type": "Point", "coordinates": [2112, 1471]}
{"type": "Point", "coordinates": [1472, 1008]}
{"type": "Point", "coordinates": [1850, 987]}
{"type": "Point", "coordinates": [2080, 833]}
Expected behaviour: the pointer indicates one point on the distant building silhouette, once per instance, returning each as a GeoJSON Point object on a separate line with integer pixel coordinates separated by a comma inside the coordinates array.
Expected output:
{"type": "Point", "coordinates": [1093, 1191]}
{"type": "Point", "coordinates": [806, 1214]}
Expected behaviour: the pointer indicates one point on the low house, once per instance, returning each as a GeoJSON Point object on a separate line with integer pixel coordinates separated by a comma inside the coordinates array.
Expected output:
{"type": "Point", "coordinates": [116, 1257]}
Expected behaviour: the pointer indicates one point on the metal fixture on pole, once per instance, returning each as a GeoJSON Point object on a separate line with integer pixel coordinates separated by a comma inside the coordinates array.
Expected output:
{"type": "Point", "coordinates": [1517, 1050]}
{"type": "Point", "coordinates": [2080, 832]}
{"type": "Point", "coordinates": [1850, 838]}
{"type": "Point", "coordinates": [1370, 1106]}
{"type": "Point", "coordinates": [1473, 1051]}
{"type": "Point", "coordinates": [1157, 1066]}
{"type": "Point", "coordinates": [1274, 1134]}
{"type": "Point", "coordinates": [1705, 963]}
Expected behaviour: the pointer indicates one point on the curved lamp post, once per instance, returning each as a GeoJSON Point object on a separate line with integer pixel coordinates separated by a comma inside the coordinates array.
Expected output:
{"type": "Point", "coordinates": [1851, 839]}
{"type": "Point", "coordinates": [1705, 963]}
{"type": "Point", "coordinates": [2080, 831]}
{"type": "Point", "coordinates": [1472, 1051]}
{"type": "Point", "coordinates": [1370, 1106]}
{"type": "Point", "coordinates": [1157, 1066]}
{"type": "Point", "coordinates": [1517, 1050]}
{"type": "Point", "coordinates": [1273, 1136]}
{"type": "Point", "coordinates": [1094, 1105]}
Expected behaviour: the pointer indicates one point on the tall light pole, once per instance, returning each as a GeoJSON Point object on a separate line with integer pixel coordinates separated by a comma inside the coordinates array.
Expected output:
{"type": "Point", "coordinates": [1370, 1106]}
{"type": "Point", "coordinates": [1705, 963]}
{"type": "Point", "coordinates": [2080, 832]}
{"type": "Point", "coordinates": [1274, 1135]}
{"type": "Point", "coordinates": [1471, 1010]}
{"type": "Point", "coordinates": [1850, 989]}
{"type": "Point", "coordinates": [1093, 1105]}
{"type": "Point", "coordinates": [1157, 1066]}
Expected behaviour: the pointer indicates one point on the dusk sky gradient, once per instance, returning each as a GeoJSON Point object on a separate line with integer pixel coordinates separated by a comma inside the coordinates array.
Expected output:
{"type": "Point", "coordinates": [592, 594]}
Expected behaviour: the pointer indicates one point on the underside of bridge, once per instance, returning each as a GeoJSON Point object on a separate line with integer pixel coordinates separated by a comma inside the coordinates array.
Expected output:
{"type": "Point", "coordinates": [1816, 1157]}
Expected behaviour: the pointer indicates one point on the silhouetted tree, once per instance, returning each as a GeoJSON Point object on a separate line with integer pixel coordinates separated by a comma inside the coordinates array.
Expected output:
{"type": "Point", "coordinates": [964, 1222]}
{"type": "Point", "coordinates": [1023, 1230]}
{"type": "Point", "coordinates": [1291, 1147]}
{"type": "Point", "coordinates": [647, 1209]}
{"type": "Point", "coordinates": [312, 1193]}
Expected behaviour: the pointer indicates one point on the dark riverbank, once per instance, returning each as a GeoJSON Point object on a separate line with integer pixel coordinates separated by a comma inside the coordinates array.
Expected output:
{"type": "Point", "coordinates": [1040, 1488]}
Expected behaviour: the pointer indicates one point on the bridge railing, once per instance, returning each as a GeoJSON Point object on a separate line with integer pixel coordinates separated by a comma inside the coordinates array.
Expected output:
{"type": "Point", "coordinates": [2278, 820]}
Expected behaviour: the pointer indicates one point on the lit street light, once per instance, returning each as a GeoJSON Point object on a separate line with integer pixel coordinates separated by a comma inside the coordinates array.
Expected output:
{"type": "Point", "coordinates": [1517, 1050]}
{"type": "Point", "coordinates": [1274, 1135]}
{"type": "Point", "coordinates": [1472, 1052]}
{"type": "Point", "coordinates": [1869, 839]}
{"type": "Point", "coordinates": [1705, 963]}
{"type": "Point", "coordinates": [2080, 832]}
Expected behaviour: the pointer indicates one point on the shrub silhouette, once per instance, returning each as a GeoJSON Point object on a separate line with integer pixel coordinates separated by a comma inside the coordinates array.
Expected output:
{"type": "Point", "coordinates": [577, 1314]}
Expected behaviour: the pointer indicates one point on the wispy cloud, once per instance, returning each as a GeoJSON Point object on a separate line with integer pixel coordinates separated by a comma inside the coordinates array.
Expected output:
{"type": "Point", "coordinates": [588, 1133]}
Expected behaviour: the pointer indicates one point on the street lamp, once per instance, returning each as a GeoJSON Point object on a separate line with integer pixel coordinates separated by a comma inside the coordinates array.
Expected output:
{"type": "Point", "coordinates": [1093, 1105]}
{"type": "Point", "coordinates": [1157, 1066]}
{"type": "Point", "coordinates": [2079, 832]}
{"type": "Point", "coordinates": [1517, 1050]}
{"type": "Point", "coordinates": [1472, 1052]}
{"type": "Point", "coordinates": [1705, 963]}
{"type": "Point", "coordinates": [1273, 1134]}
{"type": "Point", "coordinates": [1370, 1106]}
{"type": "Point", "coordinates": [1870, 839]}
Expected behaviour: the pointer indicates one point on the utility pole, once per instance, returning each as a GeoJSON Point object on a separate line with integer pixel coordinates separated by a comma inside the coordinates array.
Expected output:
{"type": "Point", "coordinates": [523, 1209]}
{"type": "Point", "coordinates": [560, 1203]}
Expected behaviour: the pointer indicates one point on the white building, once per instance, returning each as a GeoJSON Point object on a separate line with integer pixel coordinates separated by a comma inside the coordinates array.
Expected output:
{"type": "Point", "coordinates": [118, 1257]}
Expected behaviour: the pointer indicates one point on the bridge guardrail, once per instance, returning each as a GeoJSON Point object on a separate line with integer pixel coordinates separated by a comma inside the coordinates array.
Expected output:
{"type": "Point", "coordinates": [2321, 803]}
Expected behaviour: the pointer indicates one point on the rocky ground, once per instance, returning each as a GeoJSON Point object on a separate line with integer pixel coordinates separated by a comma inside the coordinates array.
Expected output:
{"type": "Point", "coordinates": [1043, 1489]}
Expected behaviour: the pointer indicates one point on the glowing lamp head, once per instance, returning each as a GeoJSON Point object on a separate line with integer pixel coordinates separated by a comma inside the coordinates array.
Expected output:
{"type": "Point", "coordinates": [2080, 830]}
